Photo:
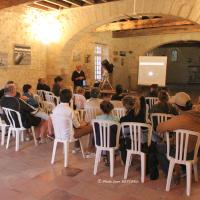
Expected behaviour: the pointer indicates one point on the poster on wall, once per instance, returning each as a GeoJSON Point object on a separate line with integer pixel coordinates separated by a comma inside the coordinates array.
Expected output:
{"type": "Point", "coordinates": [3, 59]}
{"type": "Point", "coordinates": [22, 55]}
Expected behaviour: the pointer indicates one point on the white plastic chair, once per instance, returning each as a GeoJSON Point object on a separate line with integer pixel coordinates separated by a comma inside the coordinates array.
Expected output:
{"type": "Point", "coordinates": [104, 129]}
{"type": "Point", "coordinates": [48, 107]}
{"type": "Point", "coordinates": [41, 94]}
{"type": "Point", "coordinates": [182, 139]}
{"type": "Point", "coordinates": [91, 113]}
{"type": "Point", "coordinates": [64, 133]}
{"type": "Point", "coordinates": [135, 130]}
{"type": "Point", "coordinates": [3, 127]}
{"type": "Point", "coordinates": [150, 101]}
{"type": "Point", "coordinates": [50, 97]}
{"type": "Point", "coordinates": [14, 129]}
{"type": "Point", "coordinates": [157, 118]}
{"type": "Point", "coordinates": [119, 112]}
{"type": "Point", "coordinates": [80, 114]}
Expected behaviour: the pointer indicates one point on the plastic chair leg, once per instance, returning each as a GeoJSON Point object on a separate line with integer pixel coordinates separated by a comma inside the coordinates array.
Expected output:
{"type": "Point", "coordinates": [98, 152]}
{"type": "Point", "coordinates": [128, 158]}
{"type": "Point", "coordinates": [169, 176]}
{"type": "Point", "coordinates": [111, 162]}
{"type": "Point", "coordinates": [8, 139]}
{"type": "Point", "coordinates": [189, 177]}
{"type": "Point", "coordinates": [54, 152]}
{"type": "Point", "coordinates": [143, 167]}
{"type": "Point", "coordinates": [66, 150]}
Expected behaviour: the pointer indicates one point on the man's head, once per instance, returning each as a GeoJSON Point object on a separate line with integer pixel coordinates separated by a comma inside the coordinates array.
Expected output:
{"type": "Point", "coordinates": [78, 67]}
{"type": "Point", "coordinates": [41, 81]}
{"type": "Point", "coordinates": [10, 89]}
{"type": "Point", "coordinates": [58, 80]}
{"type": "Point", "coordinates": [27, 88]}
{"type": "Point", "coordinates": [163, 96]}
{"type": "Point", "coordinates": [182, 100]}
{"type": "Point", "coordinates": [94, 92]}
{"type": "Point", "coordinates": [106, 107]}
{"type": "Point", "coordinates": [119, 89]}
{"type": "Point", "coordinates": [65, 96]}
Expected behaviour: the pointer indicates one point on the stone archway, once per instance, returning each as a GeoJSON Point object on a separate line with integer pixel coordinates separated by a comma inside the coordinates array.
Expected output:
{"type": "Point", "coordinates": [84, 20]}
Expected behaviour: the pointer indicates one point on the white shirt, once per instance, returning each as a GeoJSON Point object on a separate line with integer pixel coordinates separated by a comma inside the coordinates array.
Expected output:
{"type": "Point", "coordinates": [63, 110]}
{"type": "Point", "coordinates": [79, 101]}
{"type": "Point", "coordinates": [93, 102]}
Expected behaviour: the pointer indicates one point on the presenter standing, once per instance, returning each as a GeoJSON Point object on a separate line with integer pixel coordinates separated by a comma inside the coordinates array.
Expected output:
{"type": "Point", "coordinates": [78, 77]}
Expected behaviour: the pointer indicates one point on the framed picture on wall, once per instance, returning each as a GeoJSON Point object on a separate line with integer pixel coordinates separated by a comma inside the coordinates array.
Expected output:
{"type": "Point", "coordinates": [3, 59]}
{"type": "Point", "coordinates": [174, 55]}
{"type": "Point", "coordinates": [22, 55]}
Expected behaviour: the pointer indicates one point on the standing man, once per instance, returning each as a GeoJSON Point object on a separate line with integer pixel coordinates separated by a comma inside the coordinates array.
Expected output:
{"type": "Point", "coordinates": [78, 76]}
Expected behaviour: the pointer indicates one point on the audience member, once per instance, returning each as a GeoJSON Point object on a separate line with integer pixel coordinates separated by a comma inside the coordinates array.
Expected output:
{"type": "Point", "coordinates": [94, 100]}
{"type": "Point", "coordinates": [79, 98]}
{"type": "Point", "coordinates": [63, 109]}
{"type": "Point", "coordinates": [153, 91]}
{"type": "Point", "coordinates": [27, 112]}
{"type": "Point", "coordinates": [58, 84]}
{"type": "Point", "coordinates": [118, 96]}
{"type": "Point", "coordinates": [188, 119]}
{"type": "Point", "coordinates": [163, 106]}
{"type": "Point", "coordinates": [42, 85]}
{"type": "Point", "coordinates": [78, 77]}
{"type": "Point", "coordinates": [133, 114]}
{"type": "Point", "coordinates": [106, 108]}
{"type": "Point", "coordinates": [27, 89]}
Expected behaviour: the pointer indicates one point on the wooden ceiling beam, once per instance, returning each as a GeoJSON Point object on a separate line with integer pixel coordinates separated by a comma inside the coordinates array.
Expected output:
{"type": "Point", "coordinates": [59, 3]}
{"type": "Point", "coordinates": [74, 2]}
{"type": "Point", "coordinates": [142, 24]}
{"type": "Point", "coordinates": [90, 2]}
{"type": "Point", "coordinates": [39, 7]}
{"type": "Point", "coordinates": [9, 3]}
{"type": "Point", "coordinates": [48, 5]}
{"type": "Point", "coordinates": [156, 31]}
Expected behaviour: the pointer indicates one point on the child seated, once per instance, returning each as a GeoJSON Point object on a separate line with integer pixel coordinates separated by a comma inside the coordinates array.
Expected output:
{"type": "Point", "coordinates": [106, 108]}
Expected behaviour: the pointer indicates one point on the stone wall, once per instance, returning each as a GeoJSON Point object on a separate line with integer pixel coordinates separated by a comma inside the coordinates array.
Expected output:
{"type": "Point", "coordinates": [14, 30]}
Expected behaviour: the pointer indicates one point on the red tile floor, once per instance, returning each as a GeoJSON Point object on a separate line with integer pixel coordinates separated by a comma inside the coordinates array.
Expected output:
{"type": "Point", "coordinates": [28, 175]}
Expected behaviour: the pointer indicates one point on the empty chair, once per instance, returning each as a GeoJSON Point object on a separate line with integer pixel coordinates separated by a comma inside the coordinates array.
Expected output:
{"type": "Point", "coordinates": [136, 130]}
{"type": "Point", "coordinates": [64, 133]}
{"type": "Point", "coordinates": [119, 112]}
{"type": "Point", "coordinates": [91, 113]}
{"type": "Point", "coordinates": [181, 156]}
{"type": "Point", "coordinates": [16, 127]}
{"type": "Point", "coordinates": [106, 134]}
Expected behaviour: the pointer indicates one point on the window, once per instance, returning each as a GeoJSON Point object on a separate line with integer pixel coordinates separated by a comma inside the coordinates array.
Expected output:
{"type": "Point", "coordinates": [101, 53]}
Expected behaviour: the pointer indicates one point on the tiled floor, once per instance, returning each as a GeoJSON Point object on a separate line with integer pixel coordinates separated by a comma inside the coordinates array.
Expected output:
{"type": "Point", "coordinates": [28, 175]}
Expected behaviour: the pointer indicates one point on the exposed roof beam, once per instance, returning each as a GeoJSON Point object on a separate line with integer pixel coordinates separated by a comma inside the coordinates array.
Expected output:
{"type": "Point", "coordinates": [156, 31]}
{"type": "Point", "coordinates": [9, 3]}
{"type": "Point", "coordinates": [48, 5]}
{"type": "Point", "coordinates": [39, 7]}
{"type": "Point", "coordinates": [142, 24]}
{"type": "Point", "coordinates": [90, 2]}
{"type": "Point", "coordinates": [59, 3]}
{"type": "Point", "coordinates": [74, 2]}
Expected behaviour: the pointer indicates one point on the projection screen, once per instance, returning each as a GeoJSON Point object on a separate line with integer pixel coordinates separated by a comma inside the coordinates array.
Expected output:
{"type": "Point", "coordinates": [152, 70]}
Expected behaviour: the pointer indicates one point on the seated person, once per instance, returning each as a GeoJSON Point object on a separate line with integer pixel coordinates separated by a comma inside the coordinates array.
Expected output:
{"type": "Point", "coordinates": [26, 111]}
{"type": "Point", "coordinates": [106, 108]}
{"type": "Point", "coordinates": [64, 109]}
{"type": "Point", "coordinates": [188, 119]}
{"type": "Point", "coordinates": [119, 93]}
{"type": "Point", "coordinates": [163, 106]}
{"type": "Point", "coordinates": [79, 98]}
{"type": "Point", "coordinates": [42, 85]}
{"type": "Point", "coordinates": [133, 114]}
{"type": "Point", "coordinates": [27, 89]}
{"type": "Point", "coordinates": [94, 100]}
{"type": "Point", "coordinates": [58, 84]}
{"type": "Point", "coordinates": [153, 91]}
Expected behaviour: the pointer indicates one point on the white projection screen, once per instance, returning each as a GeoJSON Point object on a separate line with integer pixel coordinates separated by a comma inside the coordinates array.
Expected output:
{"type": "Point", "coordinates": [152, 70]}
